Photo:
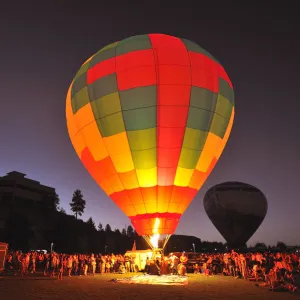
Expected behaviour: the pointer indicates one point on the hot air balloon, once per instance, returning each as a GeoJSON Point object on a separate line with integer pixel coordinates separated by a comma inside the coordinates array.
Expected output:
{"type": "Point", "coordinates": [237, 210]}
{"type": "Point", "coordinates": [149, 117]}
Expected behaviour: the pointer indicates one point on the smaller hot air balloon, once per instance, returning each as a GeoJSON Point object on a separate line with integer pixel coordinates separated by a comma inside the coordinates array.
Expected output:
{"type": "Point", "coordinates": [236, 209]}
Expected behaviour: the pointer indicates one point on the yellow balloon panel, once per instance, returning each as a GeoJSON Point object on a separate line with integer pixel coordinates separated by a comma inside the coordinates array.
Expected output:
{"type": "Point", "coordinates": [78, 143]}
{"type": "Point", "coordinates": [94, 141]}
{"type": "Point", "coordinates": [140, 209]}
{"type": "Point", "coordinates": [183, 176]}
{"type": "Point", "coordinates": [208, 153]}
{"type": "Point", "coordinates": [84, 116]}
{"type": "Point", "coordinates": [123, 162]}
{"type": "Point", "coordinates": [151, 207]}
{"type": "Point", "coordinates": [226, 136]}
{"type": "Point", "coordinates": [129, 180]}
{"type": "Point", "coordinates": [147, 177]}
{"type": "Point", "coordinates": [117, 144]}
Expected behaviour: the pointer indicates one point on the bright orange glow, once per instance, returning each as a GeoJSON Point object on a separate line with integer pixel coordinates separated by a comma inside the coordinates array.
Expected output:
{"type": "Point", "coordinates": [155, 237]}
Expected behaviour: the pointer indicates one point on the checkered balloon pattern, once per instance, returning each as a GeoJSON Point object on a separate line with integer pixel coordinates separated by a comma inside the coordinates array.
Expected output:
{"type": "Point", "coordinates": [149, 117]}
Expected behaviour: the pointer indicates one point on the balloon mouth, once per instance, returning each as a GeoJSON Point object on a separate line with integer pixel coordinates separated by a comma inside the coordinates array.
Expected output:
{"type": "Point", "coordinates": [155, 239]}
{"type": "Point", "coordinates": [155, 223]}
{"type": "Point", "coordinates": [156, 228]}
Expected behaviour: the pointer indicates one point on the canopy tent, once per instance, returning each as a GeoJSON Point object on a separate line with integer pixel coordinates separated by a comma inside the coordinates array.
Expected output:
{"type": "Point", "coordinates": [3, 250]}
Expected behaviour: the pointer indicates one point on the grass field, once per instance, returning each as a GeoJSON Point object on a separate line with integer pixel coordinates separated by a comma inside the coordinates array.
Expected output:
{"type": "Point", "coordinates": [100, 287]}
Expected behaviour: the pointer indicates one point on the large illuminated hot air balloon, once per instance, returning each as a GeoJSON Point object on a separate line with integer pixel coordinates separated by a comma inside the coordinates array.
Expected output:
{"type": "Point", "coordinates": [236, 209]}
{"type": "Point", "coordinates": [149, 117]}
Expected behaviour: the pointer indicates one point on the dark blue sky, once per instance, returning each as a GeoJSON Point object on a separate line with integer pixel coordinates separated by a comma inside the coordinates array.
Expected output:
{"type": "Point", "coordinates": [42, 48]}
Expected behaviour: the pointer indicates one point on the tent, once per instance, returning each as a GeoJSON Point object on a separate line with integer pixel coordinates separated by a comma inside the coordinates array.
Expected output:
{"type": "Point", "coordinates": [3, 250]}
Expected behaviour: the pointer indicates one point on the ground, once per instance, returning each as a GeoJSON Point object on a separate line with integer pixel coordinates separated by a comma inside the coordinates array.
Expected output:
{"type": "Point", "coordinates": [100, 287]}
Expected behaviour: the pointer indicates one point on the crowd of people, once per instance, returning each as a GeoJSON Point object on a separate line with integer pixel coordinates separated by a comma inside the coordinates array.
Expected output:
{"type": "Point", "coordinates": [75, 264]}
{"type": "Point", "coordinates": [280, 271]}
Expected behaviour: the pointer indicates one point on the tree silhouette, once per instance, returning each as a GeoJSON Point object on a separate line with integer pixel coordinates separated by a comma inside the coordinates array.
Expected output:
{"type": "Point", "coordinates": [19, 232]}
{"type": "Point", "coordinates": [281, 245]}
{"type": "Point", "coordinates": [56, 201]}
{"type": "Point", "coordinates": [117, 231]}
{"type": "Point", "coordinates": [260, 245]}
{"type": "Point", "coordinates": [123, 232]}
{"type": "Point", "coordinates": [78, 203]}
{"type": "Point", "coordinates": [62, 210]}
{"type": "Point", "coordinates": [129, 231]}
{"type": "Point", "coordinates": [107, 228]}
{"type": "Point", "coordinates": [91, 223]}
{"type": "Point", "coordinates": [100, 227]}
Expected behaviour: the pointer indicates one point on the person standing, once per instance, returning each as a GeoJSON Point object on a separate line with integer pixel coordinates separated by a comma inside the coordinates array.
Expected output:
{"type": "Point", "coordinates": [69, 265]}
{"type": "Point", "coordinates": [93, 264]}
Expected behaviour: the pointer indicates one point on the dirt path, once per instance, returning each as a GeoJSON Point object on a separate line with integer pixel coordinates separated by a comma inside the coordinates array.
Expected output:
{"type": "Point", "coordinates": [99, 287]}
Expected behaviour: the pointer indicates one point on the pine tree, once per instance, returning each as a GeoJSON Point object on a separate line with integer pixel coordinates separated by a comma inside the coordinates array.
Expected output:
{"type": "Point", "coordinates": [123, 232]}
{"type": "Point", "coordinates": [281, 245]}
{"type": "Point", "coordinates": [117, 231]}
{"type": "Point", "coordinates": [62, 210]}
{"type": "Point", "coordinates": [78, 203]}
{"type": "Point", "coordinates": [107, 228]}
{"type": "Point", "coordinates": [100, 227]}
{"type": "Point", "coordinates": [56, 201]}
{"type": "Point", "coordinates": [129, 231]}
{"type": "Point", "coordinates": [91, 223]}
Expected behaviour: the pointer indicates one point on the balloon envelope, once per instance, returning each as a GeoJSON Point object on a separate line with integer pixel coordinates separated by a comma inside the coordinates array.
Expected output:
{"type": "Point", "coordinates": [236, 209]}
{"type": "Point", "coordinates": [149, 117]}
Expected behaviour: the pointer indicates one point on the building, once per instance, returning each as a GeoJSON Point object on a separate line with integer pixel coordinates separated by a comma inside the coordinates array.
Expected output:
{"type": "Point", "coordinates": [15, 185]}
{"type": "Point", "coordinates": [18, 193]}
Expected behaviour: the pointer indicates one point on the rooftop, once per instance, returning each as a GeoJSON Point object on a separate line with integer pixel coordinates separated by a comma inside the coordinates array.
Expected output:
{"type": "Point", "coordinates": [22, 179]}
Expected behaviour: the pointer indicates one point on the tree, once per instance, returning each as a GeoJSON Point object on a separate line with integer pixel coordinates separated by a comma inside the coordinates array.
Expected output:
{"type": "Point", "coordinates": [78, 203]}
{"type": "Point", "coordinates": [123, 231]}
{"type": "Point", "coordinates": [107, 228]}
{"type": "Point", "coordinates": [18, 231]}
{"type": "Point", "coordinates": [129, 231]}
{"type": "Point", "coordinates": [91, 223]}
{"type": "Point", "coordinates": [62, 210]}
{"type": "Point", "coordinates": [117, 231]}
{"type": "Point", "coordinates": [281, 245]}
{"type": "Point", "coordinates": [100, 227]}
{"type": "Point", "coordinates": [56, 201]}
{"type": "Point", "coordinates": [260, 245]}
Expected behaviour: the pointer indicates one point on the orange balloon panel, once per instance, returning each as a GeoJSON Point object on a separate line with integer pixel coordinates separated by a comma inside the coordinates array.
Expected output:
{"type": "Point", "coordinates": [149, 117]}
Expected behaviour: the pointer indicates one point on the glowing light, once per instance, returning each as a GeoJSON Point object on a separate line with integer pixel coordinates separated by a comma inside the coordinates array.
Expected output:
{"type": "Point", "coordinates": [152, 279]}
{"type": "Point", "coordinates": [155, 237]}
{"type": "Point", "coordinates": [154, 240]}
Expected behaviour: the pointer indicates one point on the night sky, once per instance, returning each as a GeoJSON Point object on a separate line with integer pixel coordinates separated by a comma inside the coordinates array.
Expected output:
{"type": "Point", "coordinates": [43, 47]}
